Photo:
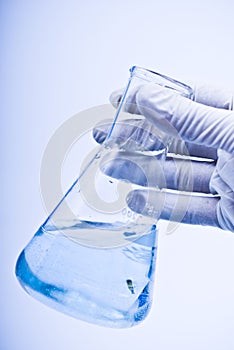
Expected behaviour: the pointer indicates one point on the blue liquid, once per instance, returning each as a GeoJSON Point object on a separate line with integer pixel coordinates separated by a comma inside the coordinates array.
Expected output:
{"type": "Point", "coordinates": [109, 287]}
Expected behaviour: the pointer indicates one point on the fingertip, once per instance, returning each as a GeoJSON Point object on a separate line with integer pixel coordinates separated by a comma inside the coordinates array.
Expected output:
{"type": "Point", "coordinates": [148, 203]}
{"type": "Point", "coordinates": [136, 201]}
{"type": "Point", "coordinates": [115, 97]}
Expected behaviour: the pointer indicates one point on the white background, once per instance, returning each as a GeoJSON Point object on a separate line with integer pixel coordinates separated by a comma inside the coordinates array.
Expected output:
{"type": "Point", "coordinates": [61, 57]}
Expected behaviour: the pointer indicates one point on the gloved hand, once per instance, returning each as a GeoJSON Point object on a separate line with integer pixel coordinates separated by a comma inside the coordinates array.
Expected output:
{"type": "Point", "coordinates": [207, 127]}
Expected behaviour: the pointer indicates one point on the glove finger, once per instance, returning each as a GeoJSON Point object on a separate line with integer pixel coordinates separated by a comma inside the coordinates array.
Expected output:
{"type": "Point", "coordinates": [180, 147]}
{"type": "Point", "coordinates": [203, 93]}
{"type": "Point", "coordinates": [145, 170]}
{"type": "Point", "coordinates": [195, 210]}
{"type": "Point", "coordinates": [192, 121]}
{"type": "Point", "coordinates": [127, 129]}
{"type": "Point", "coordinates": [134, 134]}
{"type": "Point", "coordinates": [211, 96]}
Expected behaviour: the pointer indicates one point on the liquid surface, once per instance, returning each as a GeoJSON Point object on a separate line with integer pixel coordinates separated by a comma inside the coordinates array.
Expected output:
{"type": "Point", "coordinates": [100, 234]}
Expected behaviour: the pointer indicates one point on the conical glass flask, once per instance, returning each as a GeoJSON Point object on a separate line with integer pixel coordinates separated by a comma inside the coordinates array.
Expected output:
{"type": "Point", "coordinates": [94, 258]}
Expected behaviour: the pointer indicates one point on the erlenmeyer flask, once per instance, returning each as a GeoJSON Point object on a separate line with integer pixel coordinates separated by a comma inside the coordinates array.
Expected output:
{"type": "Point", "coordinates": [94, 258]}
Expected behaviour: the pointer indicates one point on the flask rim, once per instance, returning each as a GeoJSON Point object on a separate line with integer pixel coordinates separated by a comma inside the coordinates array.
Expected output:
{"type": "Point", "coordinates": [161, 79]}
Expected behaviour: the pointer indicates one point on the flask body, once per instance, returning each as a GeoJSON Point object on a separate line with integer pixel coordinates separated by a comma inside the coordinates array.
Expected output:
{"type": "Point", "coordinates": [94, 258]}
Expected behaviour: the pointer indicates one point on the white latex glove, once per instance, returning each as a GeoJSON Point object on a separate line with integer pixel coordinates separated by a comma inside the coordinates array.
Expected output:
{"type": "Point", "coordinates": [207, 126]}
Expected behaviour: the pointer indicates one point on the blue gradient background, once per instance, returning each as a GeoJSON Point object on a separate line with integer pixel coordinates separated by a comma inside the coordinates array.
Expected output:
{"type": "Point", "coordinates": [58, 58]}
